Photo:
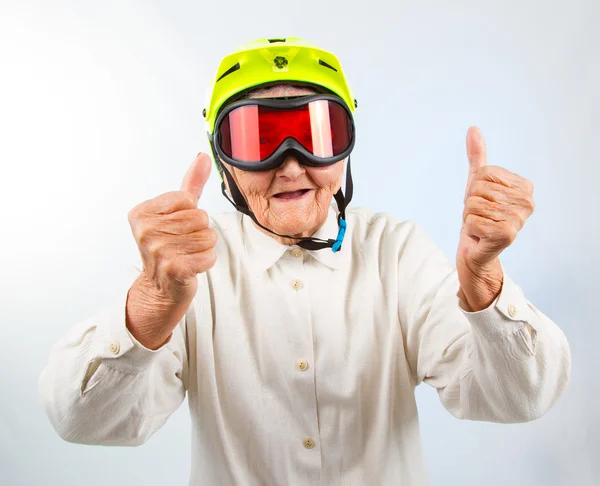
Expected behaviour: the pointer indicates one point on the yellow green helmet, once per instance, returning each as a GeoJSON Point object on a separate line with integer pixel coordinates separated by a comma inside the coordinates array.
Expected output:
{"type": "Point", "coordinates": [263, 61]}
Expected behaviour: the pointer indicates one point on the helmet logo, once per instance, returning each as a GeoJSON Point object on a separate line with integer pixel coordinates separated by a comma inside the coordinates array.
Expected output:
{"type": "Point", "coordinates": [280, 62]}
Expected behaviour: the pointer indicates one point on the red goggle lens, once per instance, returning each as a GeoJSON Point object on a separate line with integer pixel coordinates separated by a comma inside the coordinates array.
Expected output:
{"type": "Point", "coordinates": [252, 133]}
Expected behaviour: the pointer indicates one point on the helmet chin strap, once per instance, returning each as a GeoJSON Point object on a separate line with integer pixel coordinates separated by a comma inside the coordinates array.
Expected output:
{"type": "Point", "coordinates": [308, 243]}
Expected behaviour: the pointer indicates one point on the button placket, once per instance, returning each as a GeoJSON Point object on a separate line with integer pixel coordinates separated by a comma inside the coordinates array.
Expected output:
{"type": "Point", "coordinates": [304, 381]}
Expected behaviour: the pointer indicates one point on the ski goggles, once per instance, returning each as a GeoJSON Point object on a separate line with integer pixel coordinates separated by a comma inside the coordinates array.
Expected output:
{"type": "Point", "coordinates": [257, 134]}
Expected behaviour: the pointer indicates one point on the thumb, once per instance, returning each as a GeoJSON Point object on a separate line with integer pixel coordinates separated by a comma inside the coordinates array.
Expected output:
{"type": "Point", "coordinates": [196, 176]}
{"type": "Point", "coordinates": [476, 153]}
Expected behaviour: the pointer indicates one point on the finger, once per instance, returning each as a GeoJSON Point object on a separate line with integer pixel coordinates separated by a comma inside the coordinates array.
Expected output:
{"type": "Point", "coordinates": [201, 261]}
{"type": "Point", "coordinates": [179, 269]}
{"type": "Point", "coordinates": [490, 191]}
{"type": "Point", "coordinates": [500, 175]}
{"type": "Point", "coordinates": [476, 153]}
{"type": "Point", "coordinates": [485, 208]}
{"type": "Point", "coordinates": [521, 182]}
{"type": "Point", "coordinates": [510, 198]}
{"type": "Point", "coordinates": [184, 222]}
{"type": "Point", "coordinates": [500, 234]}
{"type": "Point", "coordinates": [478, 226]}
{"type": "Point", "coordinates": [196, 176]}
{"type": "Point", "coordinates": [196, 242]}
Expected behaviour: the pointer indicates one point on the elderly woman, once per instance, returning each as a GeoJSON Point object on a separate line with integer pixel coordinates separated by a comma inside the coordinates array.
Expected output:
{"type": "Point", "coordinates": [298, 329]}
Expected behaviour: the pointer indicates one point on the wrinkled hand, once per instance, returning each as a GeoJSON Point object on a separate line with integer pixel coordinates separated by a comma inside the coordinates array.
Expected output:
{"type": "Point", "coordinates": [174, 237]}
{"type": "Point", "coordinates": [497, 204]}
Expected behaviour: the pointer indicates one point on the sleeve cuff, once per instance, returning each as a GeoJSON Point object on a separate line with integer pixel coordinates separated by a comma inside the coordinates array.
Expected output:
{"type": "Point", "coordinates": [115, 345]}
{"type": "Point", "coordinates": [505, 316]}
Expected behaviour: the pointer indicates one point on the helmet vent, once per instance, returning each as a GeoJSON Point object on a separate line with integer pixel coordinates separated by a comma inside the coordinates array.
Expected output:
{"type": "Point", "coordinates": [323, 63]}
{"type": "Point", "coordinates": [232, 69]}
{"type": "Point", "coordinates": [280, 62]}
{"type": "Point", "coordinates": [275, 40]}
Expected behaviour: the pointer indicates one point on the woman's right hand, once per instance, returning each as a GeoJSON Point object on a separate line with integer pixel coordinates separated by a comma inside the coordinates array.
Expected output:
{"type": "Point", "coordinates": [174, 237]}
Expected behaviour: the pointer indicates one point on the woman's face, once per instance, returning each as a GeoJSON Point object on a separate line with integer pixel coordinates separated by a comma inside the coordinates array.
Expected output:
{"type": "Point", "coordinates": [292, 199]}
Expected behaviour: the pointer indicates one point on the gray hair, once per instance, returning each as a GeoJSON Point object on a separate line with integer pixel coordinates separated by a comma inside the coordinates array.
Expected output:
{"type": "Point", "coordinates": [279, 91]}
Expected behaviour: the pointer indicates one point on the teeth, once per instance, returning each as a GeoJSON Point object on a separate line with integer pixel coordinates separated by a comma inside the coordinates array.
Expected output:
{"type": "Point", "coordinates": [291, 194]}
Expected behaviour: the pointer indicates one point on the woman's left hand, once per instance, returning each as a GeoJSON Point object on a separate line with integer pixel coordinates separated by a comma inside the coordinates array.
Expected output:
{"type": "Point", "coordinates": [497, 204]}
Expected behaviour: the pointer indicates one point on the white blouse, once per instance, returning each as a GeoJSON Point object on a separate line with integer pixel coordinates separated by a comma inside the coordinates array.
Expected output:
{"type": "Point", "coordinates": [300, 366]}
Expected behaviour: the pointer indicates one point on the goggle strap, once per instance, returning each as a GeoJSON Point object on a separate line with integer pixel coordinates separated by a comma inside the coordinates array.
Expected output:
{"type": "Point", "coordinates": [235, 192]}
{"type": "Point", "coordinates": [342, 203]}
{"type": "Point", "coordinates": [349, 186]}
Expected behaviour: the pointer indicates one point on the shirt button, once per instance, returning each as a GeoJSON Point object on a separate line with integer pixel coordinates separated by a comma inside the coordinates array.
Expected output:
{"type": "Point", "coordinates": [297, 252]}
{"type": "Point", "coordinates": [301, 364]}
{"type": "Point", "coordinates": [512, 310]}
{"type": "Point", "coordinates": [309, 443]}
{"type": "Point", "coordinates": [114, 347]}
{"type": "Point", "coordinates": [297, 284]}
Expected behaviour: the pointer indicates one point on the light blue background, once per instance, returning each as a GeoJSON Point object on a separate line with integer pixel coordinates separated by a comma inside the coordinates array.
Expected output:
{"type": "Point", "coordinates": [100, 109]}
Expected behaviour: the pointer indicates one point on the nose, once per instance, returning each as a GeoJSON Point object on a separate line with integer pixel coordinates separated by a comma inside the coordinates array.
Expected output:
{"type": "Point", "coordinates": [291, 168]}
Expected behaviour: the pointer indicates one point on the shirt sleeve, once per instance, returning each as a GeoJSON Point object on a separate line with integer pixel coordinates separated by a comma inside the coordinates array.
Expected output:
{"type": "Point", "coordinates": [507, 363]}
{"type": "Point", "coordinates": [101, 386]}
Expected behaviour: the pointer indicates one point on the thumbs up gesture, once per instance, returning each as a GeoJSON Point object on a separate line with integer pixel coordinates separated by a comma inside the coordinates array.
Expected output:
{"type": "Point", "coordinates": [497, 203]}
{"type": "Point", "coordinates": [174, 237]}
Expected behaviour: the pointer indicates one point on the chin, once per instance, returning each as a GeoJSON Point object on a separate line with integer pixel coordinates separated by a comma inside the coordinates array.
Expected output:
{"type": "Point", "coordinates": [293, 229]}
{"type": "Point", "coordinates": [296, 223]}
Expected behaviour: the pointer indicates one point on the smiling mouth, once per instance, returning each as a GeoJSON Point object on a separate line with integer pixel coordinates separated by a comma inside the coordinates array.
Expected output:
{"type": "Point", "coordinates": [291, 194]}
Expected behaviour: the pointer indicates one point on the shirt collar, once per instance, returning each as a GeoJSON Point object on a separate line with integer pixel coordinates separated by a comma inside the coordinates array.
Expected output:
{"type": "Point", "coordinates": [264, 251]}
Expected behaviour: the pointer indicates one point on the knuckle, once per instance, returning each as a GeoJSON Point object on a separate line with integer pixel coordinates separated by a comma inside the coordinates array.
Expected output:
{"type": "Point", "coordinates": [136, 213]}
{"type": "Point", "coordinates": [203, 261]}
{"type": "Point", "coordinates": [522, 219]}
{"type": "Point", "coordinates": [475, 202]}
{"type": "Point", "coordinates": [479, 187]}
{"type": "Point", "coordinates": [202, 217]}
{"type": "Point", "coordinates": [211, 236]}
{"type": "Point", "coordinates": [155, 249]}
{"type": "Point", "coordinates": [209, 258]}
{"type": "Point", "coordinates": [171, 269]}
{"type": "Point", "coordinates": [203, 240]}
{"type": "Point", "coordinates": [173, 201]}
{"type": "Point", "coordinates": [132, 215]}
{"type": "Point", "coordinates": [494, 171]}
{"type": "Point", "coordinates": [142, 234]}
{"type": "Point", "coordinates": [529, 186]}
{"type": "Point", "coordinates": [508, 235]}
{"type": "Point", "coordinates": [470, 220]}
{"type": "Point", "coordinates": [186, 198]}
